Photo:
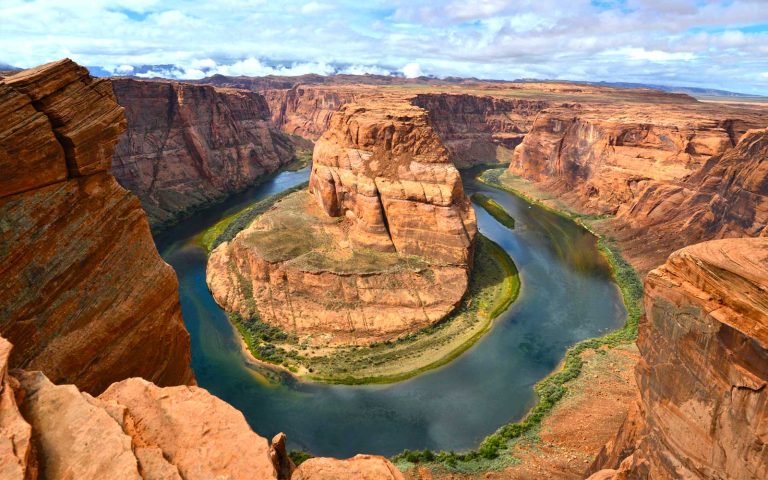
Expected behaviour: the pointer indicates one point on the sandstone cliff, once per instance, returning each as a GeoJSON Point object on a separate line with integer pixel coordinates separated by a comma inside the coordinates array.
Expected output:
{"type": "Point", "coordinates": [85, 296]}
{"type": "Point", "coordinates": [726, 197]}
{"type": "Point", "coordinates": [188, 145]}
{"type": "Point", "coordinates": [137, 430]}
{"type": "Point", "coordinates": [601, 157]}
{"type": "Point", "coordinates": [703, 369]}
{"type": "Point", "coordinates": [384, 248]}
{"type": "Point", "coordinates": [479, 129]}
{"type": "Point", "coordinates": [306, 111]}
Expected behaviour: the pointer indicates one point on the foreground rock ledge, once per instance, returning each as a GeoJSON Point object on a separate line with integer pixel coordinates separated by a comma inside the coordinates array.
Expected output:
{"type": "Point", "coordinates": [703, 369]}
{"type": "Point", "coordinates": [382, 247]}
{"type": "Point", "coordinates": [137, 430]}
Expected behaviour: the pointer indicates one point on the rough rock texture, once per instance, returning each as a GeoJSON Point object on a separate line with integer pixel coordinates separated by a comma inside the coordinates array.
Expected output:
{"type": "Point", "coordinates": [726, 197]}
{"type": "Point", "coordinates": [306, 111]}
{"type": "Point", "coordinates": [383, 166]}
{"type": "Point", "coordinates": [479, 129]}
{"type": "Point", "coordinates": [217, 444]}
{"type": "Point", "coordinates": [383, 249]}
{"type": "Point", "coordinates": [359, 467]}
{"type": "Point", "coordinates": [602, 157]}
{"type": "Point", "coordinates": [86, 297]}
{"type": "Point", "coordinates": [17, 460]}
{"type": "Point", "coordinates": [188, 145]}
{"type": "Point", "coordinates": [137, 430]}
{"type": "Point", "coordinates": [703, 369]}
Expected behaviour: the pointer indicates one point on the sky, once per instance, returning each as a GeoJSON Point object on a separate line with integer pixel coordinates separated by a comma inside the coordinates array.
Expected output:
{"type": "Point", "coordinates": [700, 43]}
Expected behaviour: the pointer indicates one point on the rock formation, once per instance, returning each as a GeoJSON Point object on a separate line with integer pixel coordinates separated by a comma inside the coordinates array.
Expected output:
{"type": "Point", "coordinates": [85, 296]}
{"type": "Point", "coordinates": [137, 430]}
{"type": "Point", "coordinates": [602, 156]}
{"type": "Point", "coordinates": [189, 145]}
{"type": "Point", "coordinates": [726, 197]}
{"type": "Point", "coordinates": [306, 111]}
{"type": "Point", "coordinates": [383, 248]}
{"type": "Point", "coordinates": [479, 129]}
{"type": "Point", "coordinates": [703, 369]}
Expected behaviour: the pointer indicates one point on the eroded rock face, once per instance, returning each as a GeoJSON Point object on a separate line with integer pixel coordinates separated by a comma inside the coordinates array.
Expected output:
{"type": "Point", "coordinates": [137, 430]}
{"type": "Point", "coordinates": [384, 166]}
{"type": "Point", "coordinates": [382, 246]}
{"type": "Point", "coordinates": [603, 156]}
{"type": "Point", "coordinates": [188, 145]}
{"type": "Point", "coordinates": [477, 129]}
{"type": "Point", "coordinates": [726, 197]}
{"type": "Point", "coordinates": [703, 370]}
{"type": "Point", "coordinates": [86, 297]}
{"type": "Point", "coordinates": [304, 110]}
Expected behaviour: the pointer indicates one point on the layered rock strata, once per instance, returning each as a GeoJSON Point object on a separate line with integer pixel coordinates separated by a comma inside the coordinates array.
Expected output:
{"type": "Point", "coordinates": [726, 197]}
{"type": "Point", "coordinates": [382, 247]}
{"type": "Point", "coordinates": [703, 369]}
{"type": "Point", "coordinates": [137, 430]}
{"type": "Point", "coordinates": [86, 297]}
{"type": "Point", "coordinates": [306, 111]}
{"type": "Point", "coordinates": [189, 145]}
{"type": "Point", "coordinates": [601, 157]}
{"type": "Point", "coordinates": [479, 129]}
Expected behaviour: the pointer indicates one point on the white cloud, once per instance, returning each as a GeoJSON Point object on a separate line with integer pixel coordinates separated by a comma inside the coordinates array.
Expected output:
{"type": "Point", "coordinates": [689, 41]}
{"type": "Point", "coordinates": [124, 69]}
{"type": "Point", "coordinates": [412, 70]}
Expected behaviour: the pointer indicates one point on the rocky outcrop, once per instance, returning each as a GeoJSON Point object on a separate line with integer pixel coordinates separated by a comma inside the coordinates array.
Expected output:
{"type": "Point", "coordinates": [361, 467]}
{"type": "Point", "coordinates": [86, 297]}
{"type": "Point", "coordinates": [726, 197]}
{"type": "Point", "coordinates": [189, 145]}
{"type": "Point", "coordinates": [703, 369]}
{"type": "Point", "coordinates": [479, 129]}
{"type": "Point", "coordinates": [383, 247]}
{"type": "Point", "coordinates": [305, 110]}
{"type": "Point", "coordinates": [137, 430]}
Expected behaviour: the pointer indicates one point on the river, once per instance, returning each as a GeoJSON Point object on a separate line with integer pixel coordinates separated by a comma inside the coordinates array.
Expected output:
{"type": "Point", "coordinates": [567, 295]}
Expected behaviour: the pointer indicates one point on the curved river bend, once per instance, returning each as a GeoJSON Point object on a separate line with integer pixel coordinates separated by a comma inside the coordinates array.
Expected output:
{"type": "Point", "coordinates": [567, 295]}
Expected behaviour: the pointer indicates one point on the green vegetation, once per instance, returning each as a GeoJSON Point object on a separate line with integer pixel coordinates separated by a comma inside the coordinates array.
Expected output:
{"type": "Point", "coordinates": [299, 456]}
{"type": "Point", "coordinates": [494, 209]}
{"type": "Point", "coordinates": [226, 228]}
{"type": "Point", "coordinates": [495, 450]}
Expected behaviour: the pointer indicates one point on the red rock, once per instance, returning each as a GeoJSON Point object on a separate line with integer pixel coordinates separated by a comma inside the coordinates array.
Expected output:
{"type": "Point", "coordinates": [84, 283]}
{"type": "Point", "coordinates": [189, 145]}
{"type": "Point", "coordinates": [202, 436]}
{"type": "Point", "coordinates": [359, 467]}
{"type": "Point", "coordinates": [17, 461]}
{"type": "Point", "coordinates": [704, 367]}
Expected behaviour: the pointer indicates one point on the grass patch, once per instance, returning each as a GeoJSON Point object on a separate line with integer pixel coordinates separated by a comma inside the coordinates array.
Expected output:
{"type": "Point", "coordinates": [226, 228]}
{"type": "Point", "coordinates": [494, 209]}
{"type": "Point", "coordinates": [495, 450]}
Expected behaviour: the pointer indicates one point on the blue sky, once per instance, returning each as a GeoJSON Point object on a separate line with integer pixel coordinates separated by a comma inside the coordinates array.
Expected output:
{"type": "Point", "coordinates": [720, 44]}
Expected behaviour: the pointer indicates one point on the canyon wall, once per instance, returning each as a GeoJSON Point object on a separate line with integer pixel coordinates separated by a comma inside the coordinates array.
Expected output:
{"type": "Point", "coordinates": [479, 129]}
{"type": "Point", "coordinates": [382, 247]}
{"type": "Point", "coordinates": [703, 369]}
{"type": "Point", "coordinates": [85, 298]}
{"type": "Point", "coordinates": [304, 110]}
{"type": "Point", "coordinates": [190, 145]}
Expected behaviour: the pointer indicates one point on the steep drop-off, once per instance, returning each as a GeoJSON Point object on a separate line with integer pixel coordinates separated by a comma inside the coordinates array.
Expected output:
{"type": "Point", "coordinates": [306, 111]}
{"type": "Point", "coordinates": [85, 296]}
{"type": "Point", "coordinates": [383, 246]}
{"type": "Point", "coordinates": [479, 129]}
{"type": "Point", "coordinates": [703, 369]}
{"type": "Point", "coordinates": [189, 145]}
